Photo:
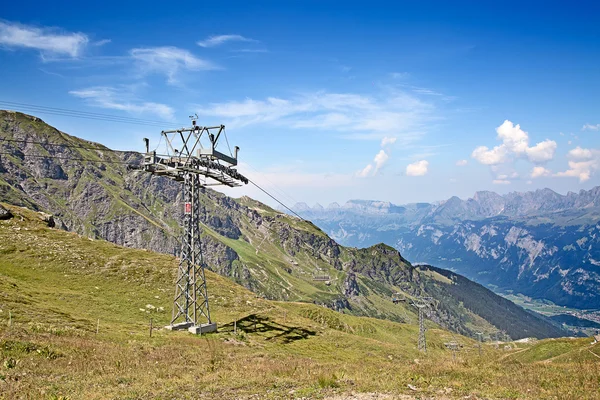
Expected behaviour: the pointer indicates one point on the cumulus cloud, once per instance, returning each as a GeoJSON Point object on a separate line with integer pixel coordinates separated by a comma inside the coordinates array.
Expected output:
{"type": "Point", "coordinates": [541, 152]}
{"type": "Point", "coordinates": [418, 168]}
{"type": "Point", "coordinates": [363, 173]}
{"type": "Point", "coordinates": [122, 99]}
{"type": "Point", "coordinates": [462, 163]}
{"type": "Point", "coordinates": [380, 159]}
{"type": "Point", "coordinates": [378, 162]}
{"type": "Point", "coordinates": [590, 127]}
{"type": "Point", "coordinates": [538, 171]}
{"type": "Point", "coordinates": [515, 143]}
{"type": "Point", "coordinates": [218, 40]}
{"type": "Point", "coordinates": [49, 41]}
{"type": "Point", "coordinates": [582, 164]}
{"type": "Point", "coordinates": [387, 140]}
{"type": "Point", "coordinates": [487, 156]}
{"type": "Point", "coordinates": [168, 60]}
{"type": "Point", "coordinates": [579, 153]}
{"type": "Point", "coordinates": [580, 169]}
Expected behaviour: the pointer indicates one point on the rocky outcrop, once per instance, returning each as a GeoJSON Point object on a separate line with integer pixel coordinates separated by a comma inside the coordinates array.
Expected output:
{"type": "Point", "coordinates": [4, 213]}
{"type": "Point", "coordinates": [351, 286]}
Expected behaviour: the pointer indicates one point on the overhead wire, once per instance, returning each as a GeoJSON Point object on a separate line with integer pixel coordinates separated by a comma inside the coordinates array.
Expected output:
{"type": "Point", "coordinates": [69, 158]}
{"type": "Point", "coordinates": [276, 199]}
{"type": "Point", "coordinates": [81, 114]}
{"type": "Point", "coordinates": [273, 185]}
{"type": "Point", "coordinates": [72, 146]}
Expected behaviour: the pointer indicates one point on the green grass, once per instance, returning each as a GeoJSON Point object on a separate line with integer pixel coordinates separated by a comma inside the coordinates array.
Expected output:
{"type": "Point", "coordinates": [57, 286]}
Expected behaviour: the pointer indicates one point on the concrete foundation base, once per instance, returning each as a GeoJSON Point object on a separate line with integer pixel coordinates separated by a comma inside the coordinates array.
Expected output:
{"type": "Point", "coordinates": [179, 327]}
{"type": "Point", "coordinates": [204, 328]}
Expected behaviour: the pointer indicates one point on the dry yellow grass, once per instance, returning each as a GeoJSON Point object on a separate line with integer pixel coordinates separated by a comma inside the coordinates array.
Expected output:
{"type": "Point", "coordinates": [57, 285]}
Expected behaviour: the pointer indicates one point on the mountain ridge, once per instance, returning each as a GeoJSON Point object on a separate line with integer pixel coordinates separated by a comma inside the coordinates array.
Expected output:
{"type": "Point", "coordinates": [540, 243]}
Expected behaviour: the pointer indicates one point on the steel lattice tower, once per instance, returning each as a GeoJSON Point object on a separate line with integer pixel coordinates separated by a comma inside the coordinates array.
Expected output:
{"type": "Point", "coordinates": [197, 165]}
{"type": "Point", "coordinates": [421, 303]}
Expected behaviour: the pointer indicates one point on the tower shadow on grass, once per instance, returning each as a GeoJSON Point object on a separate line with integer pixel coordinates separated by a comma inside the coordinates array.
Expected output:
{"type": "Point", "coordinates": [271, 330]}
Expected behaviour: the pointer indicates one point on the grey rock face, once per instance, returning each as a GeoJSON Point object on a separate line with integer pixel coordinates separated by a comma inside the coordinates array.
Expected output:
{"type": "Point", "coordinates": [4, 213]}
{"type": "Point", "coordinates": [350, 286]}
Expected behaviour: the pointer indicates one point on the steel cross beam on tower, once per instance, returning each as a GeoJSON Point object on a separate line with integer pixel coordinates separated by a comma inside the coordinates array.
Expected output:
{"type": "Point", "coordinates": [195, 162]}
{"type": "Point", "coordinates": [421, 303]}
{"type": "Point", "coordinates": [454, 346]}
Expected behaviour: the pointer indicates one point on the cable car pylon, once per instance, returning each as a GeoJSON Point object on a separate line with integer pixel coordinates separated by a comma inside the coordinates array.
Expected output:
{"type": "Point", "coordinates": [193, 160]}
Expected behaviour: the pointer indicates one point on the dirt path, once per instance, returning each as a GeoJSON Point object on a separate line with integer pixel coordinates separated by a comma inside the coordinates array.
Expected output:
{"type": "Point", "coordinates": [512, 354]}
{"type": "Point", "coordinates": [593, 353]}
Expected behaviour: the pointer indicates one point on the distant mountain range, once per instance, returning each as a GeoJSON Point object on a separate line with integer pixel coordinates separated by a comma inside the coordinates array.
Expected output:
{"type": "Point", "coordinates": [542, 244]}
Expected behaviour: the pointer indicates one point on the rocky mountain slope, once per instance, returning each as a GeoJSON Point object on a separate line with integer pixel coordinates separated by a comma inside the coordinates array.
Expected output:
{"type": "Point", "coordinates": [90, 190]}
{"type": "Point", "coordinates": [541, 244]}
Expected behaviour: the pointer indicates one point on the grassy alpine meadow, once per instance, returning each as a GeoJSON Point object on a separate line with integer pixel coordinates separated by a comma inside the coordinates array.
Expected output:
{"type": "Point", "coordinates": [75, 318]}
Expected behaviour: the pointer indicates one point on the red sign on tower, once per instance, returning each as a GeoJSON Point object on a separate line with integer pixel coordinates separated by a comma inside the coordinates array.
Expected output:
{"type": "Point", "coordinates": [188, 208]}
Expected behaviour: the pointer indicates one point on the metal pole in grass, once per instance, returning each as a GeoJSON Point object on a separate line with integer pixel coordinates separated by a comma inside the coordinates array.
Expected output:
{"type": "Point", "coordinates": [9, 318]}
{"type": "Point", "coordinates": [235, 327]}
{"type": "Point", "coordinates": [150, 327]}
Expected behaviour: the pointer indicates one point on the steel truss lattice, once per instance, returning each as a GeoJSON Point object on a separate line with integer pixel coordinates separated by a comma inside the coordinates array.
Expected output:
{"type": "Point", "coordinates": [421, 303]}
{"type": "Point", "coordinates": [191, 294]}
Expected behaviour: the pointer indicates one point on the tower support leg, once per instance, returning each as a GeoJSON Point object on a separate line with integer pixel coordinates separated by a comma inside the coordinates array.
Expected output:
{"type": "Point", "coordinates": [422, 340]}
{"type": "Point", "coordinates": [190, 306]}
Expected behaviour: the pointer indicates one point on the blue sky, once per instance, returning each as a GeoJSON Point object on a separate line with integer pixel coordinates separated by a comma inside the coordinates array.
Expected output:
{"type": "Point", "coordinates": [331, 101]}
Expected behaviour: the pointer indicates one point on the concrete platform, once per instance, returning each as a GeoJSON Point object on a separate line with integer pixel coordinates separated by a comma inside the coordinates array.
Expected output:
{"type": "Point", "coordinates": [204, 328]}
{"type": "Point", "coordinates": [180, 326]}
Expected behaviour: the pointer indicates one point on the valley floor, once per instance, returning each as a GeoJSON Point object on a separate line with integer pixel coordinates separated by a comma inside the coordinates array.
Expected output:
{"type": "Point", "coordinates": [58, 289]}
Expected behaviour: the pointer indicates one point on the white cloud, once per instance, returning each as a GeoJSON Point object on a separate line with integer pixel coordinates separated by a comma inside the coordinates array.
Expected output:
{"type": "Point", "coordinates": [218, 40]}
{"type": "Point", "coordinates": [579, 153]}
{"type": "Point", "coordinates": [495, 156]}
{"type": "Point", "coordinates": [49, 41]}
{"type": "Point", "coordinates": [542, 152]}
{"type": "Point", "coordinates": [392, 114]}
{"type": "Point", "coordinates": [363, 173]}
{"type": "Point", "coordinates": [462, 163]}
{"type": "Point", "coordinates": [418, 168]}
{"type": "Point", "coordinates": [102, 42]}
{"type": "Point", "coordinates": [122, 99]}
{"type": "Point", "coordinates": [590, 127]}
{"type": "Point", "coordinates": [538, 171]}
{"type": "Point", "coordinates": [168, 60]}
{"type": "Point", "coordinates": [501, 182]}
{"type": "Point", "coordinates": [380, 159]}
{"type": "Point", "coordinates": [378, 162]}
{"type": "Point", "coordinates": [387, 140]}
{"type": "Point", "coordinates": [583, 163]}
{"type": "Point", "coordinates": [513, 137]}
{"type": "Point", "coordinates": [515, 143]}
{"type": "Point", "coordinates": [580, 169]}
